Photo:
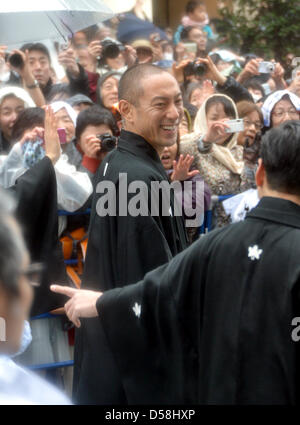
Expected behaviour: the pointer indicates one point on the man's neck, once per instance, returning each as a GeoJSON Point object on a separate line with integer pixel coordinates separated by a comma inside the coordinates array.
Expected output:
{"type": "Point", "coordinates": [281, 195]}
{"type": "Point", "coordinates": [159, 149]}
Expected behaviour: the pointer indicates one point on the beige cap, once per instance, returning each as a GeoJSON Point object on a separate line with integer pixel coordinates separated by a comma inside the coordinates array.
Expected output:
{"type": "Point", "coordinates": [142, 43]}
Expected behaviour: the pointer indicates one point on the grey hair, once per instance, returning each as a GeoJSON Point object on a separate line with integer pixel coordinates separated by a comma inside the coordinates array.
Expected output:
{"type": "Point", "coordinates": [12, 247]}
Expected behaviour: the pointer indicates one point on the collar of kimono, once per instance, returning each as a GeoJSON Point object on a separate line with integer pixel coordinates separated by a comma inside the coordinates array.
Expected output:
{"type": "Point", "coordinates": [277, 210]}
{"type": "Point", "coordinates": [138, 146]}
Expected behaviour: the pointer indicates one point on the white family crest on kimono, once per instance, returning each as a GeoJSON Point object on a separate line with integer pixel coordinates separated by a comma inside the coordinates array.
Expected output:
{"type": "Point", "coordinates": [137, 308]}
{"type": "Point", "coordinates": [254, 252]}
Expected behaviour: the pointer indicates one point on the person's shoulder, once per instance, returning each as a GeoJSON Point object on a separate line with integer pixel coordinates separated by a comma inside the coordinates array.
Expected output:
{"type": "Point", "coordinates": [121, 162]}
{"type": "Point", "coordinates": [24, 387]}
{"type": "Point", "coordinates": [222, 236]}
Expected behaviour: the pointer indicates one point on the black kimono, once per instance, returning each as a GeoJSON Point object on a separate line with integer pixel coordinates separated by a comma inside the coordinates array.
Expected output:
{"type": "Point", "coordinates": [121, 250]}
{"type": "Point", "coordinates": [214, 325]}
{"type": "Point", "coordinates": [36, 195]}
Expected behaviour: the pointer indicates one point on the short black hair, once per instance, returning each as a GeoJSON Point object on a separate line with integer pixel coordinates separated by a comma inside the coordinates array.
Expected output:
{"type": "Point", "coordinates": [130, 87]}
{"type": "Point", "coordinates": [28, 119]}
{"type": "Point", "coordinates": [184, 35]}
{"type": "Point", "coordinates": [255, 85]}
{"type": "Point", "coordinates": [280, 153]}
{"type": "Point", "coordinates": [36, 46]}
{"type": "Point", "coordinates": [192, 5]}
{"type": "Point", "coordinates": [95, 115]}
{"type": "Point", "coordinates": [59, 91]}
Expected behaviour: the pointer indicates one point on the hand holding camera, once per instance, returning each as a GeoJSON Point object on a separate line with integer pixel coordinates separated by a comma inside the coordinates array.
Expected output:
{"type": "Point", "coordinates": [95, 50]}
{"type": "Point", "coordinates": [216, 131]}
{"type": "Point", "coordinates": [204, 68]}
{"type": "Point", "coordinates": [67, 59]}
{"type": "Point", "coordinates": [95, 145]}
{"type": "Point", "coordinates": [91, 146]}
{"type": "Point", "coordinates": [18, 61]}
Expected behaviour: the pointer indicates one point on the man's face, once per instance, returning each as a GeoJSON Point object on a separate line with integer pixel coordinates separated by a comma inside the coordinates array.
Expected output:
{"type": "Point", "coordinates": [10, 109]}
{"type": "Point", "coordinates": [40, 67]}
{"type": "Point", "coordinates": [159, 111]}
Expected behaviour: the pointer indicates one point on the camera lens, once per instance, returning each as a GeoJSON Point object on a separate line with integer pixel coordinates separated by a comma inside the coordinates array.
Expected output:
{"type": "Point", "coordinates": [16, 61]}
{"type": "Point", "coordinates": [108, 142]}
{"type": "Point", "coordinates": [188, 70]}
{"type": "Point", "coordinates": [200, 69]}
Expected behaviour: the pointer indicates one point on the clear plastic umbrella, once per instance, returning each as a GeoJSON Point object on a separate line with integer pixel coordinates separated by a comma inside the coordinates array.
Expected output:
{"type": "Point", "coordinates": [24, 21]}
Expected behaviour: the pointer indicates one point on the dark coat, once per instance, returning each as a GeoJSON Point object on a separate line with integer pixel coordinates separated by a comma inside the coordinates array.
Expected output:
{"type": "Point", "coordinates": [121, 250]}
{"type": "Point", "coordinates": [5, 145]}
{"type": "Point", "coordinates": [214, 325]}
{"type": "Point", "coordinates": [36, 195]}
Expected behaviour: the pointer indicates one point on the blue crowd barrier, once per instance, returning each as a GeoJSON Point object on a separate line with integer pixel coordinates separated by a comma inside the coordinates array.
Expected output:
{"type": "Point", "coordinates": [207, 222]}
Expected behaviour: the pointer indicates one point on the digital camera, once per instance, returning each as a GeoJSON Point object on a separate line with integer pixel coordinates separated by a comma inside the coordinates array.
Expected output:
{"type": "Point", "coordinates": [111, 48]}
{"type": "Point", "coordinates": [235, 126]}
{"type": "Point", "coordinates": [108, 142]}
{"type": "Point", "coordinates": [16, 61]}
{"type": "Point", "coordinates": [194, 68]}
{"type": "Point", "coordinates": [266, 67]}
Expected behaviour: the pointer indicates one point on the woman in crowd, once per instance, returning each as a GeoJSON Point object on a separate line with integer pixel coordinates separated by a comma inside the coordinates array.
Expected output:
{"type": "Point", "coordinates": [253, 121]}
{"type": "Point", "coordinates": [187, 123]}
{"type": "Point", "coordinates": [66, 118]}
{"type": "Point", "coordinates": [13, 100]}
{"type": "Point", "coordinates": [279, 107]}
{"type": "Point", "coordinates": [107, 90]}
{"type": "Point", "coordinates": [91, 124]}
{"type": "Point", "coordinates": [178, 168]}
{"type": "Point", "coordinates": [73, 187]}
{"type": "Point", "coordinates": [217, 155]}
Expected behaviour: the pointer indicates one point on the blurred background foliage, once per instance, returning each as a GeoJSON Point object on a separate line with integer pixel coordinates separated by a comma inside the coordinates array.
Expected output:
{"type": "Point", "coordinates": [269, 28]}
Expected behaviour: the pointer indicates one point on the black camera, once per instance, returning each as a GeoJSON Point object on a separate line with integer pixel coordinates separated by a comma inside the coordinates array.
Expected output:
{"type": "Point", "coordinates": [194, 68]}
{"type": "Point", "coordinates": [16, 61]}
{"type": "Point", "coordinates": [108, 142]}
{"type": "Point", "coordinates": [111, 48]}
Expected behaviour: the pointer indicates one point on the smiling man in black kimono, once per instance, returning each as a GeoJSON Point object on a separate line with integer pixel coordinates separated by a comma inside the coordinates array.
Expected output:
{"type": "Point", "coordinates": [122, 248]}
{"type": "Point", "coordinates": [215, 325]}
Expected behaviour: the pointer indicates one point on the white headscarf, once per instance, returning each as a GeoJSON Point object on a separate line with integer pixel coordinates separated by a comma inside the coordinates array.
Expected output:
{"type": "Point", "coordinates": [57, 106]}
{"type": "Point", "coordinates": [19, 93]}
{"type": "Point", "coordinates": [221, 153]}
{"type": "Point", "coordinates": [274, 98]}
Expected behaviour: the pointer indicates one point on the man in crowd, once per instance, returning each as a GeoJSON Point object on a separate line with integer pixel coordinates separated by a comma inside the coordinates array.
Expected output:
{"type": "Point", "coordinates": [122, 248]}
{"type": "Point", "coordinates": [215, 325]}
{"type": "Point", "coordinates": [39, 63]}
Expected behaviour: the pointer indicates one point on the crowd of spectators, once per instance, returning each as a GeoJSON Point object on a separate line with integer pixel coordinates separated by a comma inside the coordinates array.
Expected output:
{"type": "Point", "coordinates": [217, 85]}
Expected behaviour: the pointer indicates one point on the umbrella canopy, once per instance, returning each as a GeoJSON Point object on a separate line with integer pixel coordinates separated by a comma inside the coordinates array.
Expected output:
{"type": "Point", "coordinates": [24, 21]}
{"type": "Point", "coordinates": [132, 28]}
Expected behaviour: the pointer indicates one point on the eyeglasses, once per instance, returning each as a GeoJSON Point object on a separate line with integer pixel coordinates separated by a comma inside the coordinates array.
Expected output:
{"type": "Point", "coordinates": [33, 273]}
{"type": "Point", "coordinates": [290, 112]}
{"type": "Point", "coordinates": [258, 126]}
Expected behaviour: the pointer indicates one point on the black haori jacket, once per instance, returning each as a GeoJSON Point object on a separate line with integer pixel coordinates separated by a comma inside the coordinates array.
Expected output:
{"type": "Point", "coordinates": [214, 325]}
{"type": "Point", "coordinates": [121, 250]}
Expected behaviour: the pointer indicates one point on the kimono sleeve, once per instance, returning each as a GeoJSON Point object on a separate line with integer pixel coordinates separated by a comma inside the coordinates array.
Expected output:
{"type": "Point", "coordinates": [153, 330]}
